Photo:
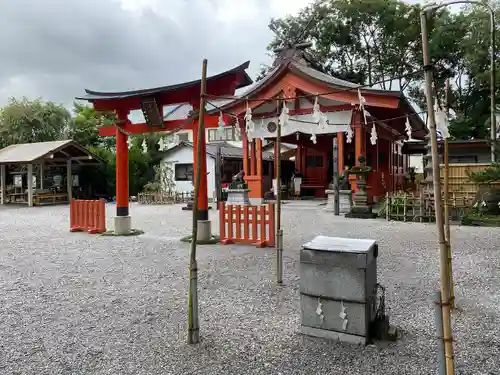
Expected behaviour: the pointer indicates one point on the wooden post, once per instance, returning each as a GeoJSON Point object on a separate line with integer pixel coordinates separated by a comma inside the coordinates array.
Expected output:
{"type": "Point", "coordinates": [30, 185]}
{"type": "Point", "coordinates": [69, 180]}
{"type": "Point", "coordinates": [279, 250]}
{"type": "Point", "coordinates": [446, 207]}
{"type": "Point", "coordinates": [42, 174]}
{"type": "Point", "coordinates": [2, 184]}
{"type": "Point", "coordinates": [443, 251]}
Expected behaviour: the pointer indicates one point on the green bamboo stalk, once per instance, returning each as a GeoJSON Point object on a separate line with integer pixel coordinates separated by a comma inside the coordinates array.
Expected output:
{"type": "Point", "coordinates": [193, 320]}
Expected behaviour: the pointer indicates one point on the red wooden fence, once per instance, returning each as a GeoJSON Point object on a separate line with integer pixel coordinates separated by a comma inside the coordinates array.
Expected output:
{"type": "Point", "coordinates": [253, 225]}
{"type": "Point", "coordinates": [89, 216]}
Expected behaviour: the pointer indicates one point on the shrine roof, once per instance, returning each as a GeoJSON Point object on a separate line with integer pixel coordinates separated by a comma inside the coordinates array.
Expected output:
{"type": "Point", "coordinates": [310, 73]}
{"type": "Point", "coordinates": [49, 152]}
{"type": "Point", "coordinates": [99, 95]}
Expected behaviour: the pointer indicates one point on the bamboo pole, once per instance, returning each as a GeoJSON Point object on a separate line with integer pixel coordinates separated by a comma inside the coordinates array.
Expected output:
{"type": "Point", "coordinates": [279, 249]}
{"type": "Point", "coordinates": [193, 321]}
{"type": "Point", "coordinates": [446, 207]}
{"type": "Point", "coordinates": [438, 318]}
{"type": "Point", "coordinates": [445, 281]}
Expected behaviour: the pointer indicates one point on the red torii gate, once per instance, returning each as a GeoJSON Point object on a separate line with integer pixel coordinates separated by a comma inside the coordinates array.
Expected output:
{"type": "Point", "coordinates": [151, 102]}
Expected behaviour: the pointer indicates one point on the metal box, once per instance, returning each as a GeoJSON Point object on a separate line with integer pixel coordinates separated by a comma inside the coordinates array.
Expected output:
{"type": "Point", "coordinates": [338, 288]}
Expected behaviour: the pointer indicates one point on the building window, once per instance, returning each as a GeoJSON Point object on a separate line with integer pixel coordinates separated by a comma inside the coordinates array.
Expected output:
{"type": "Point", "coordinates": [229, 134]}
{"type": "Point", "coordinates": [463, 159]}
{"type": "Point", "coordinates": [183, 137]}
{"type": "Point", "coordinates": [314, 161]}
{"type": "Point", "coordinates": [184, 172]}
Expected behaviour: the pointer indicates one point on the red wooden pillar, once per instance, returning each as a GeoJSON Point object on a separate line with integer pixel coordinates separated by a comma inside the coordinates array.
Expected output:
{"type": "Point", "coordinates": [244, 137]}
{"type": "Point", "coordinates": [203, 190]}
{"type": "Point", "coordinates": [258, 153]}
{"type": "Point", "coordinates": [340, 145]}
{"type": "Point", "coordinates": [122, 198]}
{"type": "Point", "coordinates": [253, 158]}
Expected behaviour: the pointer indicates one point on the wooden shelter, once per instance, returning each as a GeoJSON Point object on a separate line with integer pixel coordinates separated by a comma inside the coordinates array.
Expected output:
{"type": "Point", "coordinates": [294, 78]}
{"type": "Point", "coordinates": [152, 103]}
{"type": "Point", "coordinates": [33, 189]}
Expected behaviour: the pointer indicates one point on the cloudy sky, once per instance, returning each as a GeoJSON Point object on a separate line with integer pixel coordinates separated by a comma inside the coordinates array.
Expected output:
{"type": "Point", "coordinates": [56, 48]}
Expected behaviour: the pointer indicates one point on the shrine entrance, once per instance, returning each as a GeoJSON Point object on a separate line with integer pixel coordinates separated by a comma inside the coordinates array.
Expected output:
{"type": "Point", "coordinates": [152, 103]}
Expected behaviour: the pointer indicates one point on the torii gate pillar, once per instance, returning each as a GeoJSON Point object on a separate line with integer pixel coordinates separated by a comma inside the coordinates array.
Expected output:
{"type": "Point", "coordinates": [122, 220]}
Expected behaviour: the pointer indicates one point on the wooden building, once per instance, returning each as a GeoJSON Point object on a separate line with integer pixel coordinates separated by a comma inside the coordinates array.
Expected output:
{"type": "Point", "coordinates": [294, 78]}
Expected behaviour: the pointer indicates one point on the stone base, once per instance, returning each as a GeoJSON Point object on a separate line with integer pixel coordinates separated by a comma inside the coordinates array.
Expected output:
{"type": "Point", "coordinates": [345, 197]}
{"type": "Point", "coordinates": [238, 197]}
{"type": "Point", "coordinates": [361, 215]}
{"type": "Point", "coordinates": [256, 201]}
{"type": "Point", "coordinates": [123, 225]}
{"type": "Point", "coordinates": [204, 230]}
{"type": "Point", "coordinates": [334, 335]}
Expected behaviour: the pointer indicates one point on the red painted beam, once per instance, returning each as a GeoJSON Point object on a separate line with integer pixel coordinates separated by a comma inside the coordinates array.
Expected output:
{"type": "Point", "coordinates": [142, 128]}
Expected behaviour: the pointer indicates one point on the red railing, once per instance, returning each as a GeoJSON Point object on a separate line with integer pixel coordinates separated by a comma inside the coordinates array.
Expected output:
{"type": "Point", "coordinates": [252, 225]}
{"type": "Point", "coordinates": [88, 216]}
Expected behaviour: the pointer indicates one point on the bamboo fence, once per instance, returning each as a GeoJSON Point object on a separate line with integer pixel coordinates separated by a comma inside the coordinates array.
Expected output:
{"type": "Point", "coordinates": [164, 198]}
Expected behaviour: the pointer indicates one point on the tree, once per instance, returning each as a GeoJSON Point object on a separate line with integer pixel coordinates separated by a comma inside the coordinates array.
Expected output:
{"type": "Point", "coordinates": [379, 42]}
{"type": "Point", "coordinates": [84, 127]}
{"type": "Point", "coordinates": [25, 121]}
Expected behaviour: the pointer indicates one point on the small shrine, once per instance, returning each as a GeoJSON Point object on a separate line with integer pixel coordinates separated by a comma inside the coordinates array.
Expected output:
{"type": "Point", "coordinates": [313, 108]}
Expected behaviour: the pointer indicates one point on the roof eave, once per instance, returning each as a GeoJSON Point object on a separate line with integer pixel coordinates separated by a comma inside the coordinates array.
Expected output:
{"type": "Point", "coordinates": [99, 95]}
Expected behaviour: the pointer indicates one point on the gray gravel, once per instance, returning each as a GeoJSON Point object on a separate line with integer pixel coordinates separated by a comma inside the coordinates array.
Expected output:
{"type": "Point", "coordinates": [74, 303]}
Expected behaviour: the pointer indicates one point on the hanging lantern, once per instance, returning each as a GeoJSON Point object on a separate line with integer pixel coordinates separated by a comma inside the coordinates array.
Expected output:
{"type": "Point", "coordinates": [374, 137]}
{"type": "Point", "coordinates": [349, 134]}
{"type": "Point", "coordinates": [284, 116]}
{"type": "Point", "coordinates": [144, 146]}
{"type": "Point", "coordinates": [408, 128]}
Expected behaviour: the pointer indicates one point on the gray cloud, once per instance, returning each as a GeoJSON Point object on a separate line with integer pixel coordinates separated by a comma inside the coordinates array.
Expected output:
{"type": "Point", "coordinates": [56, 48]}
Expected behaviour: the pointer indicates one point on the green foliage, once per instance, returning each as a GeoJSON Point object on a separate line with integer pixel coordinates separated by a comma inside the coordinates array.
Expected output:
{"type": "Point", "coordinates": [84, 127]}
{"type": "Point", "coordinates": [369, 41]}
{"type": "Point", "coordinates": [24, 121]}
{"type": "Point", "coordinates": [489, 175]}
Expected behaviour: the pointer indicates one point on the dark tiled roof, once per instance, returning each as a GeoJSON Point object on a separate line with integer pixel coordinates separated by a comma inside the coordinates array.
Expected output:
{"type": "Point", "coordinates": [97, 95]}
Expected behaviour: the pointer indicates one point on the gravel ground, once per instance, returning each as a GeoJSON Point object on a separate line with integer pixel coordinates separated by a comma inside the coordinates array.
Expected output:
{"type": "Point", "coordinates": [73, 303]}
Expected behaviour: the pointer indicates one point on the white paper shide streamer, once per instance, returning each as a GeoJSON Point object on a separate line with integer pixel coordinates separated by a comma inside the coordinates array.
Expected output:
{"type": "Point", "coordinates": [144, 146]}
{"type": "Point", "coordinates": [284, 116]}
{"type": "Point", "coordinates": [442, 123]}
{"type": "Point", "coordinates": [221, 125]}
{"type": "Point", "coordinates": [319, 116]}
{"type": "Point", "coordinates": [362, 102]}
{"type": "Point", "coordinates": [408, 128]}
{"type": "Point", "coordinates": [162, 145]}
{"type": "Point", "coordinates": [249, 124]}
{"type": "Point", "coordinates": [129, 143]}
{"type": "Point", "coordinates": [349, 134]}
{"type": "Point", "coordinates": [374, 136]}
{"type": "Point", "coordinates": [313, 138]}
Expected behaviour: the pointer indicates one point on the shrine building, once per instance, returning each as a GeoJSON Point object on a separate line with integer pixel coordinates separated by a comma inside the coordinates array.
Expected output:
{"type": "Point", "coordinates": [375, 129]}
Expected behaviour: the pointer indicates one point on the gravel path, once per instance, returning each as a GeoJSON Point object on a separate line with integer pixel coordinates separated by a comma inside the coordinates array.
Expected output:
{"type": "Point", "coordinates": [74, 303]}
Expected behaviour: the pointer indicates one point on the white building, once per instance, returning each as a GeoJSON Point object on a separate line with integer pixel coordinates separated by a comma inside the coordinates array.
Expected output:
{"type": "Point", "coordinates": [180, 159]}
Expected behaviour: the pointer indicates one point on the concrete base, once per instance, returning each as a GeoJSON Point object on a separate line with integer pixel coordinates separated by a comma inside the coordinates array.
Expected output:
{"type": "Point", "coordinates": [204, 230]}
{"type": "Point", "coordinates": [123, 224]}
{"type": "Point", "coordinates": [256, 201]}
{"type": "Point", "coordinates": [334, 335]}
{"type": "Point", "coordinates": [361, 213]}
